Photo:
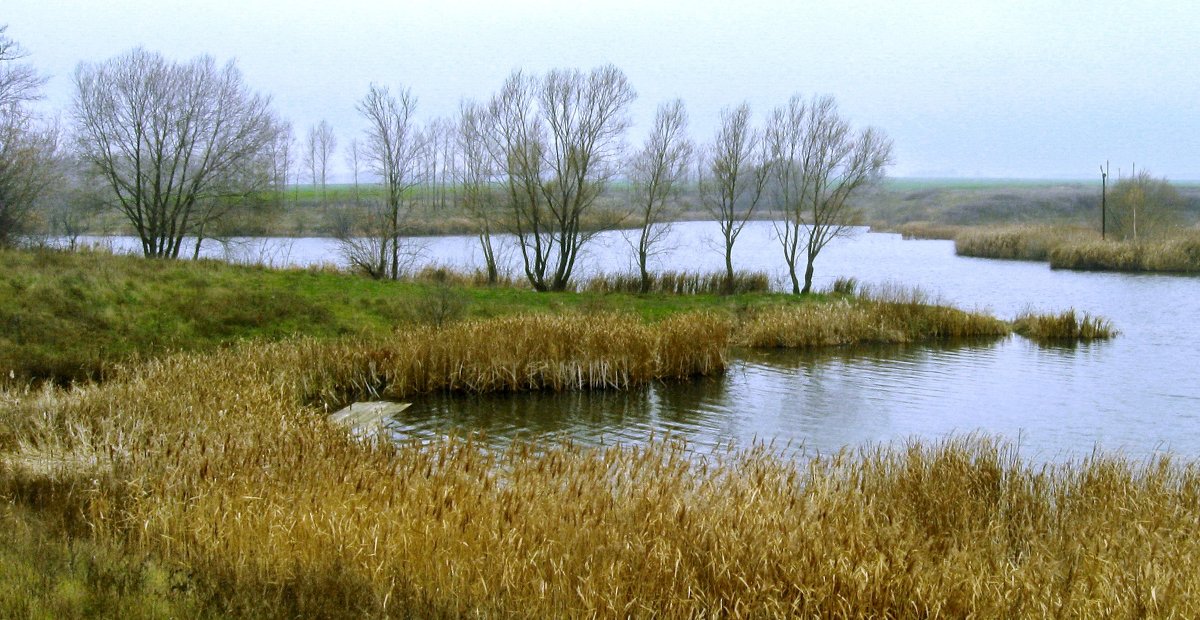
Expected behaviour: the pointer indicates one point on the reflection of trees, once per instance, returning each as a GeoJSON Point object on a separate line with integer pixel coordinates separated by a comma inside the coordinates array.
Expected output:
{"type": "Point", "coordinates": [870, 354]}
{"type": "Point", "coordinates": [685, 403]}
{"type": "Point", "coordinates": [582, 415]}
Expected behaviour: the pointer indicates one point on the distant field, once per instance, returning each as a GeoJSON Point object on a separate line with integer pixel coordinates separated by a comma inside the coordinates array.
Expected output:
{"type": "Point", "coordinates": [307, 211]}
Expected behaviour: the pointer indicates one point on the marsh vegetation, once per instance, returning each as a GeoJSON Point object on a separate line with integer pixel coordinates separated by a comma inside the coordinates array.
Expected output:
{"type": "Point", "coordinates": [212, 484]}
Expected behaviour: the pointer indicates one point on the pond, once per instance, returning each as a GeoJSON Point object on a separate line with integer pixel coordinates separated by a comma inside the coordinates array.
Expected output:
{"type": "Point", "coordinates": [1138, 393]}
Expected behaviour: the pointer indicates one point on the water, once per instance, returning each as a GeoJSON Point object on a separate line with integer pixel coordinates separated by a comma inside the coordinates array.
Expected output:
{"type": "Point", "coordinates": [1139, 393]}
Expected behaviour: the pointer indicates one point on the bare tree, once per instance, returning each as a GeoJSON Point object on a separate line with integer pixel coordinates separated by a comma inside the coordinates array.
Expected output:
{"type": "Point", "coordinates": [281, 152]}
{"type": "Point", "coordinates": [474, 174]}
{"type": "Point", "coordinates": [320, 145]}
{"type": "Point", "coordinates": [354, 160]}
{"type": "Point", "coordinates": [29, 149]}
{"type": "Point", "coordinates": [177, 145]}
{"type": "Point", "coordinates": [818, 163]}
{"type": "Point", "coordinates": [393, 148]}
{"type": "Point", "coordinates": [656, 173]}
{"type": "Point", "coordinates": [733, 177]}
{"type": "Point", "coordinates": [556, 142]}
{"type": "Point", "coordinates": [438, 157]}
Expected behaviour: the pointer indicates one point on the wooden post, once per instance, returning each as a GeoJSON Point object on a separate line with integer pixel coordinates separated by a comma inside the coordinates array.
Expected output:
{"type": "Point", "coordinates": [1103, 200]}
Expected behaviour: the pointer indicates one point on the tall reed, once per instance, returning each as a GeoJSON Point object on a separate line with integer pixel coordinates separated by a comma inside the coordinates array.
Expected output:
{"type": "Point", "coordinates": [1177, 254]}
{"type": "Point", "coordinates": [274, 513]}
{"type": "Point", "coordinates": [680, 283]}
{"type": "Point", "coordinates": [1066, 325]}
{"type": "Point", "coordinates": [881, 316]}
{"type": "Point", "coordinates": [1016, 242]}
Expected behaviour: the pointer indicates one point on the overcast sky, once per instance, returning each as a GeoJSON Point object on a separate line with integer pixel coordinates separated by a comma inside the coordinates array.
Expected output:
{"type": "Point", "coordinates": [977, 89]}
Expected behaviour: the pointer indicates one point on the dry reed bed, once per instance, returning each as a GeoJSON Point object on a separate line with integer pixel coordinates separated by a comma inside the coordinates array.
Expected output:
{"type": "Point", "coordinates": [276, 513]}
{"type": "Point", "coordinates": [680, 283]}
{"type": "Point", "coordinates": [1068, 247]}
{"type": "Point", "coordinates": [928, 230]}
{"type": "Point", "coordinates": [1178, 255]}
{"type": "Point", "coordinates": [872, 318]}
{"type": "Point", "coordinates": [224, 466]}
{"type": "Point", "coordinates": [1016, 242]}
{"type": "Point", "coordinates": [1066, 325]}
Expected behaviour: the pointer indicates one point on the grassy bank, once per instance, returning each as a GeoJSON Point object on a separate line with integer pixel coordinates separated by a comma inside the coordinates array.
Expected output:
{"type": "Point", "coordinates": [70, 316]}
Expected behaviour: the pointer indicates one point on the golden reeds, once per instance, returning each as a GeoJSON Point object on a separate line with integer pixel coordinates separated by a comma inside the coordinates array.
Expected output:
{"type": "Point", "coordinates": [879, 317]}
{"type": "Point", "coordinates": [223, 469]}
{"type": "Point", "coordinates": [1066, 325]}
{"type": "Point", "coordinates": [1078, 248]}
{"type": "Point", "coordinates": [1016, 242]}
{"type": "Point", "coordinates": [1177, 254]}
{"type": "Point", "coordinates": [273, 513]}
{"type": "Point", "coordinates": [929, 230]}
{"type": "Point", "coordinates": [680, 283]}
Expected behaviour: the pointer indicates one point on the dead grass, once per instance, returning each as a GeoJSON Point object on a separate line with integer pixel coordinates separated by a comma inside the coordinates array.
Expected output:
{"type": "Point", "coordinates": [929, 230]}
{"type": "Point", "coordinates": [1029, 242]}
{"type": "Point", "coordinates": [889, 315]}
{"type": "Point", "coordinates": [272, 512]}
{"type": "Point", "coordinates": [1179, 254]}
{"type": "Point", "coordinates": [1066, 325]}
{"type": "Point", "coordinates": [680, 283]}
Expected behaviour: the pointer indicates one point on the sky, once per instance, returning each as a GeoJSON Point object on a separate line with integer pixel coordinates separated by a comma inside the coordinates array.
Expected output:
{"type": "Point", "coordinates": [1012, 89]}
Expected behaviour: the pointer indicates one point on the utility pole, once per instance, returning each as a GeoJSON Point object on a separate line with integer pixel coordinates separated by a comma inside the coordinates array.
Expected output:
{"type": "Point", "coordinates": [1103, 199]}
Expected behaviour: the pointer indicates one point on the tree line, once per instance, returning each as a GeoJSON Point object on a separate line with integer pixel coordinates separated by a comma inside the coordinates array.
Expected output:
{"type": "Point", "coordinates": [175, 147]}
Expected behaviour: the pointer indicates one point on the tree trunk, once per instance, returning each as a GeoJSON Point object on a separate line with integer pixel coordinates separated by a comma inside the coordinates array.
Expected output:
{"type": "Point", "coordinates": [729, 270]}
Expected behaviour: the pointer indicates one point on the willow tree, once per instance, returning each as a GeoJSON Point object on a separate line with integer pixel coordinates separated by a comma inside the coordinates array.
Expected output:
{"type": "Point", "coordinates": [474, 172]}
{"type": "Point", "coordinates": [656, 174]}
{"type": "Point", "coordinates": [817, 164]}
{"type": "Point", "coordinates": [556, 142]}
{"type": "Point", "coordinates": [176, 145]}
{"type": "Point", "coordinates": [391, 149]}
{"type": "Point", "coordinates": [28, 148]}
{"type": "Point", "coordinates": [733, 178]}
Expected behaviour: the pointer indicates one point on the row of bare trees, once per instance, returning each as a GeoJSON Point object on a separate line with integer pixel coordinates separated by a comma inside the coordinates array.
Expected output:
{"type": "Point", "coordinates": [535, 160]}
{"type": "Point", "coordinates": [178, 147]}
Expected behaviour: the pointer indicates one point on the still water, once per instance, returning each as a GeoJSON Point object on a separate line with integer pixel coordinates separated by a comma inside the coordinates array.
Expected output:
{"type": "Point", "coordinates": [1139, 393]}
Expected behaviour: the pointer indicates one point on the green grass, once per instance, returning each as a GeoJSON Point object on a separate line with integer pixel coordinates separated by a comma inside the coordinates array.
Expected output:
{"type": "Point", "coordinates": [934, 203]}
{"type": "Point", "coordinates": [47, 573]}
{"type": "Point", "coordinates": [70, 316]}
{"type": "Point", "coordinates": [75, 316]}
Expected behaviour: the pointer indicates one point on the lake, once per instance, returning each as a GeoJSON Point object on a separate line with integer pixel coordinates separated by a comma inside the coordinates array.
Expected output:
{"type": "Point", "coordinates": [1138, 394]}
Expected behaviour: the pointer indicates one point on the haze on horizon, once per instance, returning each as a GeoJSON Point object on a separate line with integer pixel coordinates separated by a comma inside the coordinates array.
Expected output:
{"type": "Point", "coordinates": [979, 89]}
